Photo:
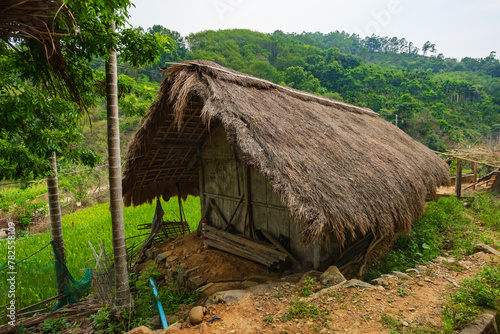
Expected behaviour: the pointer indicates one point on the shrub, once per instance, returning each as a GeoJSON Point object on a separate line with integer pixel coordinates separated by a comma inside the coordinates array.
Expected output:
{"type": "Point", "coordinates": [443, 226]}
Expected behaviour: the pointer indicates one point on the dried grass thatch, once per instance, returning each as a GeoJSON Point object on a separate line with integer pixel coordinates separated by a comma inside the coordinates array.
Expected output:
{"type": "Point", "coordinates": [41, 24]}
{"type": "Point", "coordinates": [337, 167]}
{"type": "Point", "coordinates": [37, 20]}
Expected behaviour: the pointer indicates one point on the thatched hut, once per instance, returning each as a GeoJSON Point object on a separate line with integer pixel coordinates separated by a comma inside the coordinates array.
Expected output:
{"type": "Point", "coordinates": [313, 172]}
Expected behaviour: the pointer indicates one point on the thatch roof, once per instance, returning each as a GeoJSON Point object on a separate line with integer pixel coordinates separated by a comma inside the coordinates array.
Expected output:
{"type": "Point", "coordinates": [337, 167]}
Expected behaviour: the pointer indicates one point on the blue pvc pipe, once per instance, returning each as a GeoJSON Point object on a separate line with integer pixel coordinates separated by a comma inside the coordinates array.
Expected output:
{"type": "Point", "coordinates": [158, 303]}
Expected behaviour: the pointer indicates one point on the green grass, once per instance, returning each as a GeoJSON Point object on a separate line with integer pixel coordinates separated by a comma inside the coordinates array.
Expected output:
{"type": "Point", "coordinates": [35, 277]}
{"type": "Point", "coordinates": [396, 327]}
{"type": "Point", "coordinates": [475, 294]}
{"type": "Point", "coordinates": [22, 202]}
{"type": "Point", "coordinates": [446, 226]}
{"type": "Point", "coordinates": [11, 194]}
{"type": "Point", "coordinates": [301, 310]}
{"type": "Point", "coordinates": [486, 208]}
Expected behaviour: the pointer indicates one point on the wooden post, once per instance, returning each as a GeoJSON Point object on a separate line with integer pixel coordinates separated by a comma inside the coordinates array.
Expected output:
{"type": "Point", "coordinates": [179, 199]}
{"type": "Point", "coordinates": [475, 176]}
{"type": "Point", "coordinates": [458, 180]}
{"type": "Point", "coordinates": [201, 176]}
{"type": "Point", "coordinates": [496, 184]}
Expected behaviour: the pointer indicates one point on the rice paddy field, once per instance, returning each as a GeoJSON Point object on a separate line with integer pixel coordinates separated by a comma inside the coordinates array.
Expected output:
{"type": "Point", "coordinates": [35, 278]}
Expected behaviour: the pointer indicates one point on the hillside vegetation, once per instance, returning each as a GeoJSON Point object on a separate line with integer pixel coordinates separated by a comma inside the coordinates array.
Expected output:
{"type": "Point", "coordinates": [439, 101]}
{"type": "Point", "coordinates": [442, 102]}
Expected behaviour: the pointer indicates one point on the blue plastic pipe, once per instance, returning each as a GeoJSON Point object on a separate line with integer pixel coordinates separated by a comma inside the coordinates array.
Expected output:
{"type": "Point", "coordinates": [158, 303]}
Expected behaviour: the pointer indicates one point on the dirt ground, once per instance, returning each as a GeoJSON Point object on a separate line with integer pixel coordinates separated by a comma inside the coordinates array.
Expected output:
{"type": "Point", "coordinates": [416, 301]}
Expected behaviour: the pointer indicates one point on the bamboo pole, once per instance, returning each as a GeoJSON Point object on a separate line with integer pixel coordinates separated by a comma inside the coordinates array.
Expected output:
{"type": "Point", "coordinates": [475, 176]}
{"type": "Point", "coordinates": [458, 180]}
{"type": "Point", "coordinates": [179, 199]}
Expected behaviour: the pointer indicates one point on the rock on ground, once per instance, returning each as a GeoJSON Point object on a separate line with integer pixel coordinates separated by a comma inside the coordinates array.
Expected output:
{"type": "Point", "coordinates": [196, 315]}
{"type": "Point", "coordinates": [487, 249]}
{"type": "Point", "coordinates": [175, 326]}
{"type": "Point", "coordinates": [356, 283]}
{"type": "Point", "coordinates": [228, 297]}
{"type": "Point", "coordinates": [156, 322]}
{"type": "Point", "coordinates": [332, 276]}
{"type": "Point", "coordinates": [399, 274]}
{"type": "Point", "coordinates": [312, 274]}
{"type": "Point", "coordinates": [486, 323]}
{"type": "Point", "coordinates": [141, 330]}
{"type": "Point", "coordinates": [163, 256]}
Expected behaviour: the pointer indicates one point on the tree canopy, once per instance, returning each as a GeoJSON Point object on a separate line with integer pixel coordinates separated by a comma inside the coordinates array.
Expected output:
{"type": "Point", "coordinates": [48, 80]}
{"type": "Point", "coordinates": [439, 101]}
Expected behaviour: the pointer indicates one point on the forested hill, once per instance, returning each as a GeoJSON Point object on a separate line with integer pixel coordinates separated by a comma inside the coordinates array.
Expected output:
{"type": "Point", "coordinates": [439, 101]}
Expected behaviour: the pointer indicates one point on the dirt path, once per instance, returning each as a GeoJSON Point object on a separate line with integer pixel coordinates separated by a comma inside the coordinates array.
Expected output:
{"type": "Point", "coordinates": [415, 301]}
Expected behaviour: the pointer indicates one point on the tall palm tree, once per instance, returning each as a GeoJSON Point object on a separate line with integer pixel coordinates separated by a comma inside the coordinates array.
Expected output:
{"type": "Point", "coordinates": [122, 296]}
{"type": "Point", "coordinates": [56, 225]}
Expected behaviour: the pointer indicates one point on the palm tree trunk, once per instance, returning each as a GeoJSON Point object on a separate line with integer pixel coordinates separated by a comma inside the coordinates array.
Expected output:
{"type": "Point", "coordinates": [56, 225]}
{"type": "Point", "coordinates": [122, 297]}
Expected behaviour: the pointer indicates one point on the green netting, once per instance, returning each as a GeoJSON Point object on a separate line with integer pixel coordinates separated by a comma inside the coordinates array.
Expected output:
{"type": "Point", "coordinates": [73, 289]}
{"type": "Point", "coordinates": [37, 279]}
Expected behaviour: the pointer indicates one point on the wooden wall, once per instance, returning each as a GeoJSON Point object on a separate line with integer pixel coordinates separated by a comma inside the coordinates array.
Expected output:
{"type": "Point", "coordinates": [224, 180]}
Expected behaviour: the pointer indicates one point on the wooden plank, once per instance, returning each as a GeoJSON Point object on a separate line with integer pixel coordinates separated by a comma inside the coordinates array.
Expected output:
{"type": "Point", "coordinates": [231, 250]}
{"type": "Point", "coordinates": [230, 170]}
{"type": "Point", "coordinates": [486, 177]}
{"type": "Point", "coordinates": [40, 303]}
{"type": "Point", "coordinates": [268, 258]}
{"type": "Point", "coordinates": [246, 242]}
{"type": "Point", "coordinates": [283, 249]}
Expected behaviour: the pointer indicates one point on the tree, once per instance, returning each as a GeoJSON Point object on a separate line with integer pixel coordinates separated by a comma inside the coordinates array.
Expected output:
{"type": "Point", "coordinates": [36, 120]}
{"type": "Point", "coordinates": [98, 21]}
{"type": "Point", "coordinates": [428, 46]}
{"type": "Point", "coordinates": [67, 75]}
{"type": "Point", "coordinates": [34, 126]}
{"type": "Point", "coordinates": [56, 225]}
{"type": "Point", "coordinates": [122, 297]}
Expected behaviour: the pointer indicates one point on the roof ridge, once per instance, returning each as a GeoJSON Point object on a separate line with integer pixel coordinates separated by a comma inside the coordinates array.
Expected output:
{"type": "Point", "coordinates": [336, 103]}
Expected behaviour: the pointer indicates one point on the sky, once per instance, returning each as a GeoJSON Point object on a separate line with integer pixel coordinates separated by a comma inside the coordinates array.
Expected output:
{"type": "Point", "coordinates": [459, 28]}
